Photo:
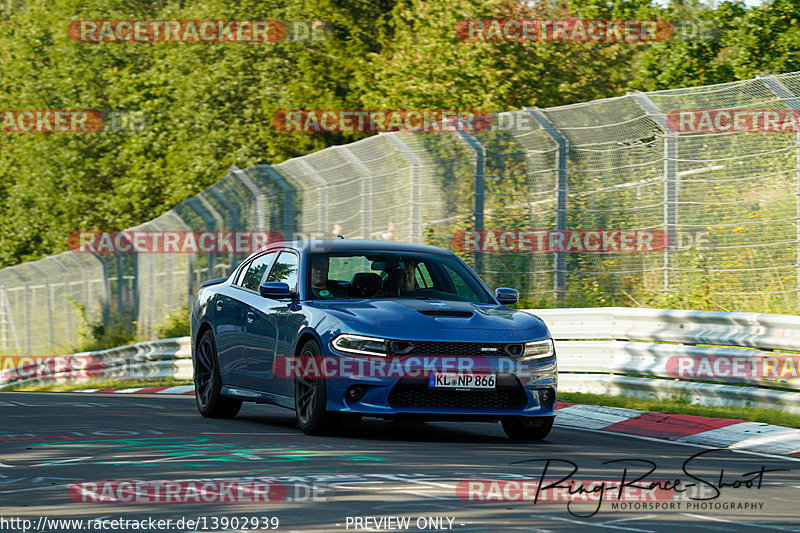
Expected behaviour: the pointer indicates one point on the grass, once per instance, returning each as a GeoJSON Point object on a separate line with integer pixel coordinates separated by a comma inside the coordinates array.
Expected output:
{"type": "Point", "coordinates": [683, 407]}
{"type": "Point", "coordinates": [118, 384]}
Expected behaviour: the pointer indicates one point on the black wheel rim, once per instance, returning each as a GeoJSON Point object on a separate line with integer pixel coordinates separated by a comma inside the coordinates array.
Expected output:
{"type": "Point", "coordinates": [204, 380]}
{"type": "Point", "coordinates": [305, 395]}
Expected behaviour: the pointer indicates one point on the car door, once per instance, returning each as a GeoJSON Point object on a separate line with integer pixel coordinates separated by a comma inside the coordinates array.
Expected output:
{"type": "Point", "coordinates": [265, 322]}
{"type": "Point", "coordinates": [231, 318]}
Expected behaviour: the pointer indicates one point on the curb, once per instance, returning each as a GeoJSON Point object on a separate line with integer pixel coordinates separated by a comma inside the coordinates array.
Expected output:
{"type": "Point", "coordinates": [706, 431]}
{"type": "Point", "coordinates": [180, 389]}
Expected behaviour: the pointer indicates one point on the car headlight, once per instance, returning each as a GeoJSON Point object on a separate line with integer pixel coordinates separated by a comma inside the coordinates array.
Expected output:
{"type": "Point", "coordinates": [359, 345]}
{"type": "Point", "coordinates": [538, 349]}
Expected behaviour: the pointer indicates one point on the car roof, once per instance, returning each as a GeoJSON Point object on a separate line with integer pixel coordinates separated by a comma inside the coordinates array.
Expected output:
{"type": "Point", "coordinates": [340, 245]}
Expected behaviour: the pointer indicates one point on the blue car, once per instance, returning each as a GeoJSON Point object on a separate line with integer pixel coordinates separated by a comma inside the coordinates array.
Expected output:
{"type": "Point", "coordinates": [341, 329]}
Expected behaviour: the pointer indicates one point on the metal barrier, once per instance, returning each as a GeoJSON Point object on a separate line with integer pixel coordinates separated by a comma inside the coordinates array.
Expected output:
{"type": "Point", "coordinates": [607, 350]}
{"type": "Point", "coordinates": [150, 360]}
{"type": "Point", "coordinates": [703, 357]}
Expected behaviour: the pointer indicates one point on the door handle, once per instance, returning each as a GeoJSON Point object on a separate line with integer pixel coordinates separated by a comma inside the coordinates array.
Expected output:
{"type": "Point", "coordinates": [219, 305]}
{"type": "Point", "coordinates": [250, 317]}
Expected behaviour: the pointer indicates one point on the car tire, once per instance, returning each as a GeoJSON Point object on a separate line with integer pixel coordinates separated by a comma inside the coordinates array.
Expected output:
{"type": "Point", "coordinates": [208, 383]}
{"type": "Point", "coordinates": [530, 429]}
{"type": "Point", "coordinates": [311, 396]}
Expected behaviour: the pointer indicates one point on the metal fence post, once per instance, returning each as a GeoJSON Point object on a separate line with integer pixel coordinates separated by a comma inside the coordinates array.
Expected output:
{"type": "Point", "coordinates": [258, 196]}
{"type": "Point", "coordinates": [8, 331]}
{"type": "Point", "coordinates": [268, 172]}
{"type": "Point", "coordinates": [323, 193]}
{"type": "Point", "coordinates": [366, 189]}
{"type": "Point", "coordinates": [792, 101]}
{"type": "Point", "coordinates": [670, 177]}
{"type": "Point", "coordinates": [562, 189]}
{"type": "Point", "coordinates": [121, 286]}
{"type": "Point", "coordinates": [480, 184]}
{"type": "Point", "coordinates": [415, 235]}
{"type": "Point", "coordinates": [198, 208]}
{"type": "Point", "coordinates": [233, 225]}
{"type": "Point", "coordinates": [48, 295]}
{"type": "Point", "coordinates": [173, 214]}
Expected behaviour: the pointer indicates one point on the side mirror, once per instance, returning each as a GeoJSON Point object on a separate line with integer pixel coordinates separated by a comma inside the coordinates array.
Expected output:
{"type": "Point", "coordinates": [275, 290]}
{"type": "Point", "coordinates": [506, 296]}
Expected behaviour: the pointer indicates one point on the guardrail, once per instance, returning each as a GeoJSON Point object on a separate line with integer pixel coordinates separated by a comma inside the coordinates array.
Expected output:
{"type": "Point", "coordinates": [705, 357]}
{"type": "Point", "coordinates": [708, 358]}
{"type": "Point", "coordinates": [152, 360]}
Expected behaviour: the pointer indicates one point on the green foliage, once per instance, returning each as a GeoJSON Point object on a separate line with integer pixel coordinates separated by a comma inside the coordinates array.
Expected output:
{"type": "Point", "coordinates": [210, 106]}
{"type": "Point", "coordinates": [108, 331]}
{"type": "Point", "coordinates": [178, 323]}
{"type": "Point", "coordinates": [764, 39]}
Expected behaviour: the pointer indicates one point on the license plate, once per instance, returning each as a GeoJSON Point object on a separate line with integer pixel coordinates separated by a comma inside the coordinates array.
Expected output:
{"type": "Point", "coordinates": [445, 380]}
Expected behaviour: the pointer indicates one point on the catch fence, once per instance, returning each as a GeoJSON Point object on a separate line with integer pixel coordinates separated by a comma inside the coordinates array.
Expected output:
{"type": "Point", "coordinates": [640, 200]}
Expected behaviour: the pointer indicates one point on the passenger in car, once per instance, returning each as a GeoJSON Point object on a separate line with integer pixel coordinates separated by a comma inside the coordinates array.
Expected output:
{"type": "Point", "coordinates": [321, 286]}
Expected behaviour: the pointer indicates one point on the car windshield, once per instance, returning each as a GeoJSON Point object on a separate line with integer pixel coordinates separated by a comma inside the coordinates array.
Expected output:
{"type": "Point", "coordinates": [373, 275]}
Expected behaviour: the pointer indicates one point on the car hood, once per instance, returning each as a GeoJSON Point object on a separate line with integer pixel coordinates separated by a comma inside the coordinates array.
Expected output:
{"type": "Point", "coordinates": [400, 318]}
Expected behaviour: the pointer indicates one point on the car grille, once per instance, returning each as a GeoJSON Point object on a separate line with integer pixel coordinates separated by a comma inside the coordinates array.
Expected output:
{"type": "Point", "coordinates": [414, 392]}
{"type": "Point", "coordinates": [455, 349]}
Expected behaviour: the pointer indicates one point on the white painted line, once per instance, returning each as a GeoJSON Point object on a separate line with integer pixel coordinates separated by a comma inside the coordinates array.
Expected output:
{"type": "Point", "coordinates": [648, 517]}
{"type": "Point", "coordinates": [589, 524]}
{"type": "Point", "coordinates": [129, 391]}
{"type": "Point", "coordinates": [296, 434]}
{"type": "Point", "coordinates": [180, 389]}
{"type": "Point", "coordinates": [751, 524]}
{"type": "Point", "coordinates": [690, 444]}
{"type": "Point", "coordinates": [593, 416]}
{"type": "Point", "coordinates": [751, 436]}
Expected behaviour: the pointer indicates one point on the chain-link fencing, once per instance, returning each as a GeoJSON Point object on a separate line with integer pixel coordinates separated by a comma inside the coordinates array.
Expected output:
{"type": "Point", "coordinates": [629, 201]}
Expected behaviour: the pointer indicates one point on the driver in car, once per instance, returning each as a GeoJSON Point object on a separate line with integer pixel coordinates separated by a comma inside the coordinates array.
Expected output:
{"type": "Point", "coordinates": [401, 282]}
{"type": "Point", "coordinates": [321, 286]}
{"type": "Point", "coordinates": [406, 280]}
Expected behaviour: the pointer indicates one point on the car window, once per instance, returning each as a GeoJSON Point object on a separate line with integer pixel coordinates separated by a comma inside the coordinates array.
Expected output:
{"type": "Point", "coordinates": [256, 270]}
{"type": "Point", "coordinates": [460, 284]}
{"type": "Point", "coordinates": [385, 274]}
{"type": "Point", "coordinates": [240, 276]}
{"type": "Point", "coordinates": [285, 270]}
{"type": "Point", "coordinates": [344, 268]}
{"type": "Point", "coordinates": [423, 277]}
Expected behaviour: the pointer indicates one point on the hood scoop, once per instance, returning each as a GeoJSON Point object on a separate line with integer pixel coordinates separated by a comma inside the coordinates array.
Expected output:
{"type": "Point", "coordinates": [452, 313]}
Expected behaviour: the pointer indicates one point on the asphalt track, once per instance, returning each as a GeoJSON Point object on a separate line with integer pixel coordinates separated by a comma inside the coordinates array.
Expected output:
{"type": "Point", "coordinates": [373, 471]}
